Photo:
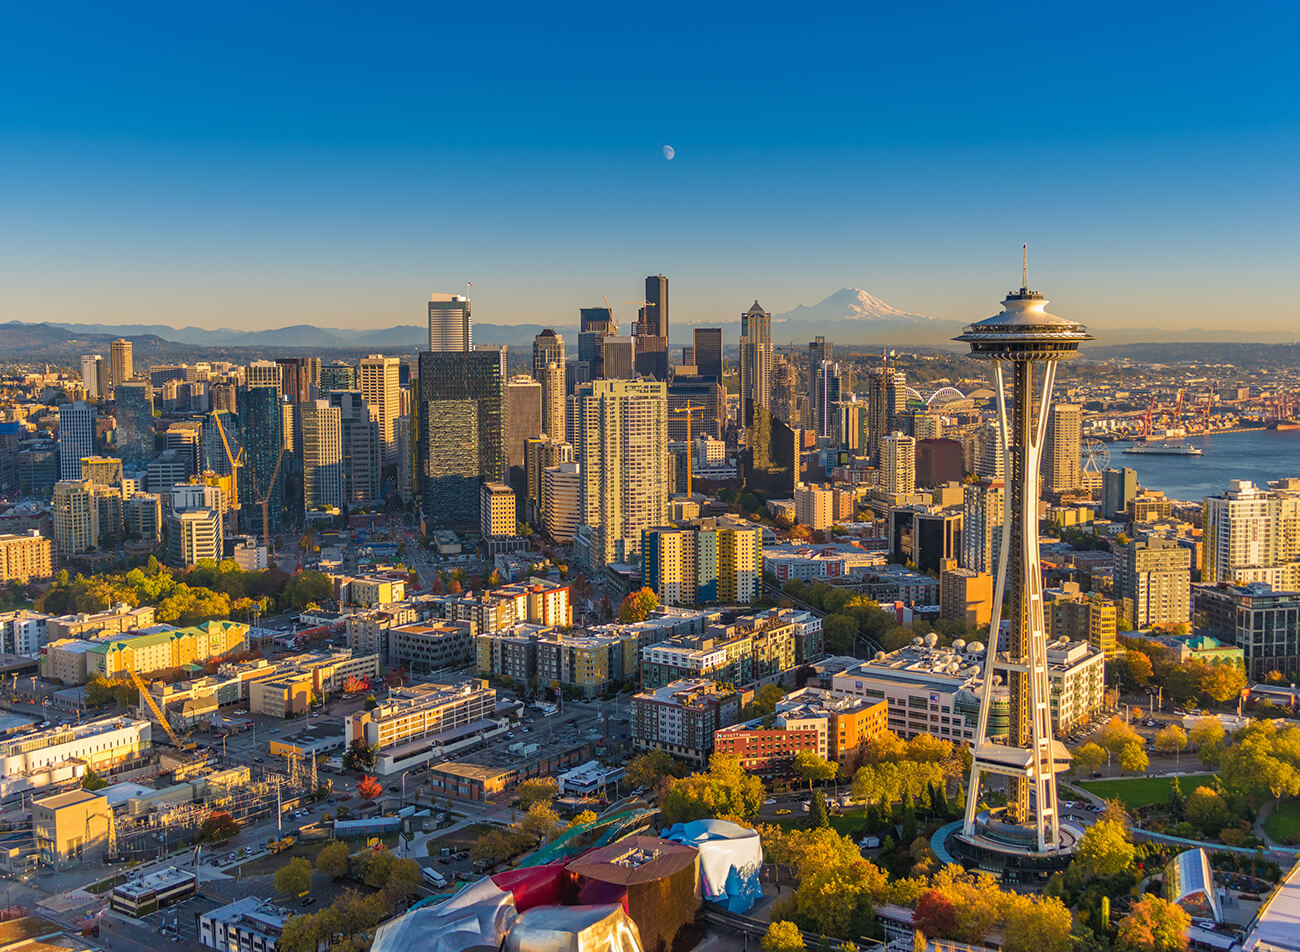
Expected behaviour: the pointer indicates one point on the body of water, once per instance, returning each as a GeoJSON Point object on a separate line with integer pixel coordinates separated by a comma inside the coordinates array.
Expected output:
{"type": "Point", "coordinates": [1259, 456]}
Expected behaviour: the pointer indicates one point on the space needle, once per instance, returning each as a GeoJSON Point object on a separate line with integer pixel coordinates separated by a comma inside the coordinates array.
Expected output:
{"type": "Point", "coordinates": [1024, 343]}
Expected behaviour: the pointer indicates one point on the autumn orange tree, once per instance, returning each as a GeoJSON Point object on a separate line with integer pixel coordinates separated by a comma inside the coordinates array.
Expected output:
{"type": "Point", "coordinates": [638, 605]}
{"type": "Point", "coordinates": [369, 788]}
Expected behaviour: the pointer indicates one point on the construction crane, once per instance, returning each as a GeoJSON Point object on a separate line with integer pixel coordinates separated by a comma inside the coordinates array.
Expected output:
{"type": "Point", "coordinates": [1146, 418]}
{"type": "Point", "coordinates": [236, 460]}
{"type": "Point", "coordinates": [263, 499]}
{"type": "Point", "coordinates": [689, 410]}
{"type": "Point", "coordinates": [143, 688]}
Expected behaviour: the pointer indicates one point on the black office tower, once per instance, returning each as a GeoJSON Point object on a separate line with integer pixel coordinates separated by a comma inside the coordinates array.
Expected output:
{"type": "Point", "coordinates": [459, 443]}
{"type": "Point", "coordinates": [655, 320]}
{"type": "Point", "coordinates": [262, 475]}
{"type": "Point", "coordinates": [708, 352]}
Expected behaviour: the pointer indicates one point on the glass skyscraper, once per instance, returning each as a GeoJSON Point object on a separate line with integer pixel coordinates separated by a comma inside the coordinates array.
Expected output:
{"type": "Point", "coordinates": [133, 409]}
{"type": "Point", "coordinates": [461, 410]}
{"type": "Point", "coordinates": [263, 442]}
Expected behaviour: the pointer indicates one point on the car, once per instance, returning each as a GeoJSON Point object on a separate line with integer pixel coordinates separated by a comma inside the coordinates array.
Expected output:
{"type": "Point", "coordinates": [275, 730]}
{"type": "Point", "coordinates": [768, 802]}
{"type": "Point", "coordinates": [782, 812]}
{"type": "Point", "coordinates": [444, 860]}
{"type": "Point", "coordinates": [308, 901]}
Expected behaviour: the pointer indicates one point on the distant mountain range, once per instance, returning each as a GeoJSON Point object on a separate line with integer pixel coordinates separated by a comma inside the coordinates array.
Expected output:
{"type": "Point", "coordinates": [850, 317]}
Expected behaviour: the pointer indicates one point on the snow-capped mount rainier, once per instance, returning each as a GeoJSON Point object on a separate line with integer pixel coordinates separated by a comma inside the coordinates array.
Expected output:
{"type": "Point", "coordinates": [850, 304]}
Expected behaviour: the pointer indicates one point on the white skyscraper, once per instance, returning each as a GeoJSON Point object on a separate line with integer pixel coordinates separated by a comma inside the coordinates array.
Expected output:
{"type": "Point", "coordinates": [76, 437]}
{"type": "Point", "coordinates": [622, 438]}
{"type": "Point", "coordinates": [95, 375]}
{"type": "Point", "coordinates": [379, 379]}
{"type": "Point", "coordinates": [450, 327]}
{"type": "Point", "coordinates": [899, 462]}
{"type": "Point", "coordinates": [322, 455]}
{"type": "Point", "coordinates": [1241, 537]}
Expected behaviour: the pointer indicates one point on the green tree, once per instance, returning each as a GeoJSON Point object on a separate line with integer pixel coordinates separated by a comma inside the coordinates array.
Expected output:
{"type": "Point", "coordinates": [840, 633]}
{"type": "Point", "coordinates": [1153, 925]}
{"type": "Point", "coordinates": [638, 605]}
{"type": "Point", "coordinates": [724, 790]}
{"type": "Point", "coordinates": [294, 877]}
{"type": "Point", "coordinates": [540, 790]}
{"type": "Point", "coordinates": [650, 769]}
{"type": "Point", "coordinates": [817, 814]}
{"type": "Point", "coordinates": [1206, 810]}
{"type": "Point", "coordinates": [1088, 758]}
{"type": "Point", "coordinates": [541, 822]}
{"type": "Point", "coordinates": [1207, 736]}
{"type": "Point", "coordinates": [1133, 759]}
{"type": "Point", "coordinates": [92, 781]}
{"type": "Point", "coordinates": [1034, 924]}
{"type": "Point", "coordinates": [1104, 850]}
{"type": "Point", "coordinates": [765, 700]}
{"type": "Point", "coordinates": [783, 937]}
{"type": "Point", "coordinates": [332, 860]}
{"type": "Point", "coordinates": [1170, 740]}
{"type": "Point", "coordinates": [809, 766]}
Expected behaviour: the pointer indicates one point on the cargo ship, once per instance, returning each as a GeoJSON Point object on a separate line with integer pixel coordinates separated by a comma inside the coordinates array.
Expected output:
{"type": "Point", "coordinates": [1287, 425]}
{"type": "Point", "coordinates": [1164, 449]}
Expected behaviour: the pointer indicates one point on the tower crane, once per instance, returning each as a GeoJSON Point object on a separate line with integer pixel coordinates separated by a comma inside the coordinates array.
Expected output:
{"type": "Point", "coordinates": [236, 460]}
{"type": "Point", "coordinates": [263, 499]}
{"type": "Point", "coordinates": [689, 410]}
{"type": "Point", "coordinates": [143, 688]}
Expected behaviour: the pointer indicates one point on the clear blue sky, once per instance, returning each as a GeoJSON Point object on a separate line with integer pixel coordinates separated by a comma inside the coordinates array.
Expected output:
{"type": "Point", "coordinates": [221, 165]}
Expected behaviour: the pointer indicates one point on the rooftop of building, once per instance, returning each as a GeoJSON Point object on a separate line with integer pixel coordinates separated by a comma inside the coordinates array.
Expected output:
{"type": "Point", "coordinates": [412, 698]}
{"type": "Point", "coordinates": [157, 880]}
{"type": "Point", "coordinates": [260, 913]}
{"type": "Point", "coordinates": [60, 800]}
{"type": "Point", "coordinates": [686, 691]}
{"type": "Point", "coordinates": [636, 859]}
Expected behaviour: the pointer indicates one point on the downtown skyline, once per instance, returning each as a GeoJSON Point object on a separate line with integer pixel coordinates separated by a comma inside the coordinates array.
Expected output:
{"type": "Point", "coordinates": [211, 173]}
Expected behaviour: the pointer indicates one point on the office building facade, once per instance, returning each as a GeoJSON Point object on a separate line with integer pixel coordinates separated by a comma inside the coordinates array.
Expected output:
{"type": "Point", "coordinates": [450, 325]}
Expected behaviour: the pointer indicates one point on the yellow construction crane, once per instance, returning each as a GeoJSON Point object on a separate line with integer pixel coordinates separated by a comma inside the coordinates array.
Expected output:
{"type": "Point", "coordinates": [689, 410]}
{"type": "Point", "coordinates": [143, 688]}
{"type": "Point", "coordinates": [236, 460]}
{"type": "Point", "coordinates": [263, 499]}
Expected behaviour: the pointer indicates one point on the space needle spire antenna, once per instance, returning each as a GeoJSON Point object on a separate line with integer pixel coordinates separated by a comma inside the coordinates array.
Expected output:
{"type": "Point", "coordinates": [1024, 344]}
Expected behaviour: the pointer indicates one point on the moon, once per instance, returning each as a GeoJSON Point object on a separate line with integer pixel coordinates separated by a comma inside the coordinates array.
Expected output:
{"type": "Point", "coordinates": [669, 152]}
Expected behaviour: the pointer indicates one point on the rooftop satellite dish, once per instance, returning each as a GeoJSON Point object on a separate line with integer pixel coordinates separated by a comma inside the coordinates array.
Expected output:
{"type": "Point", "coordinates": [959, 645]}
{"type": "Point", "coordinates": [917, 640]}
{"type": "Point", "coordinates": [931, 640]}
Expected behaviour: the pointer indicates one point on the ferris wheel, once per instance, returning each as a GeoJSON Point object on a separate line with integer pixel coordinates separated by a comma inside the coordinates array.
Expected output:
{"type": "Point", "coordinates": [1095, 456]}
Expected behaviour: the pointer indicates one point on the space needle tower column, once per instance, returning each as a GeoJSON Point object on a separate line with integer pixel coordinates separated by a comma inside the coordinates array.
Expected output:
{"type": "Point", "coordinates": [1024, 343]}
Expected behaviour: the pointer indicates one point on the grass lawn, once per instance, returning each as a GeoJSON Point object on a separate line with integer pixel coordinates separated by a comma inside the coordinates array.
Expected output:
{"type": "Point", "coordinates": [1136, 792]}
{"type": "Point", "coordinates": [462, 839]}
{"type": "Point", "coordinates": [1283, 823]}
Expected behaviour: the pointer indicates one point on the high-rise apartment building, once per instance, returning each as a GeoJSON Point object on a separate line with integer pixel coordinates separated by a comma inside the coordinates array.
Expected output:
{"type": "Point", "coordinates": [123, 366]}
{"type": "Point", "coordinates": [708, 352]}
{"type": "Point", "coordinates": [450, 327]}
{"type": "Point", "coordinates": [702, 562]}
{"type": "Point", "coordinates": [622, 445]}
{"type": "Point", "coordinates": [548, 348]}
{"type": "Point", "coordinates": [899, 464]}
{"type": "Point", "coordinates": [755, 360]}
{"type": "Point", "coordinates": [379, 380]}
{"type": "Point", "coordinates": [983, 513]}
{"type": "Point", "coordinates": [459, 440]}
{"type": "Point", "coordinates": [814, 506]}
{"type": "Point", "coordinates": [496, 511]}
{"type": "Point", "coordinates": [362, 450]}
{"type": "Point", "coordinates": [886, 396]}
{"type": "Point", "coordinates": [1154, 578]}
{"type": "Point", "coordinates": [551, 378]}
{"type": "Point", "coordinates": [1241, 537]}
{"type": "Point", "coordinates": [1082, 616]}
{"type": "Point", "coordinates": [25, 557]}
{"type": "Point", "coordinates": [561, 500]}
{"type": "Point", "coordinates": [1118, 488]}
{"type": "Point", "coordinates": [76, 437]}
{"type": "Point", "coordinates": [193, 535]}
{"type": "Point", "coordinates": [95, 374]}
{"type": "Point", "coordinates": [264, 373]}
{"type": "Point", "coordinates": [133, 410]}
{"type": "Point", "coordinates": [322, 455]}
{"type": "Point", "coordinates": [76, 516]}
{"type": "Point", "coordinates": [541, 454]}
{"type": "Point", "coordinates": [1061, 455]}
